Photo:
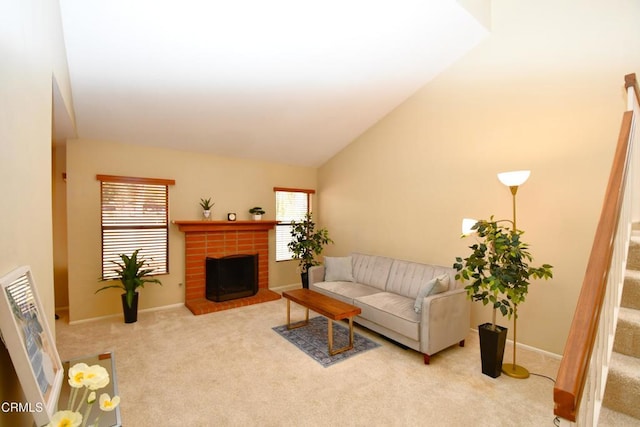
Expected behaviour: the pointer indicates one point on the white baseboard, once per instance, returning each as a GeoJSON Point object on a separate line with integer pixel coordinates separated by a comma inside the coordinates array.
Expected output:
{"type": "Point", "coordinates": [528, 347]}
{"type": "Point", "coordinates": [281, 289]}
{"type": "Point", "coordinates": [146, 310]}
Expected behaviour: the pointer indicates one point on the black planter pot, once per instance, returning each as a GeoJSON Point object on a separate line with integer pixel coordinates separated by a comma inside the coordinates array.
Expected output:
{"type": "Point", "coordinates": [492, 344]}
{"type": "Point", "coordinates": [130, 313]}
{"type": "Point", "coordinates": [305, 280]}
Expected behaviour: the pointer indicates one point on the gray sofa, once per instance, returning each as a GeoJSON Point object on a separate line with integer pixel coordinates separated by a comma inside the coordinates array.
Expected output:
{"type": "Point", "coordinates": [418, 305]}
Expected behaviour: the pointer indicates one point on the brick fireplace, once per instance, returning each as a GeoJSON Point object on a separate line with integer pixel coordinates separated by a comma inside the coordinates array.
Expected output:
{"type": "Point", "coordinates": [219, 239]}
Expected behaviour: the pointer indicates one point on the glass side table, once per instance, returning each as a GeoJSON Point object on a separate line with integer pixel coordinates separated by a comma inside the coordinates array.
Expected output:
{"type": "Point", "coordinates": [107, 360]}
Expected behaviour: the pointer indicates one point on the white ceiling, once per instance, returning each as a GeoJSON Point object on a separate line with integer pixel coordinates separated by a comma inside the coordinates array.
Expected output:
{"type": "Point", "coordinates": [287, 81]}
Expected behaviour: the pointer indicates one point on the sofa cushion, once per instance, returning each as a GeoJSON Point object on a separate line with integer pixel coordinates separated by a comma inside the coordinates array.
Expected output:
{"type": "Point", "coordinates": [343, 291]}
{"type": "Point", "coordinates": [371, 270]}
{"type": "Point", "coordinates": [338, 269]}
{"type": "Point", "coordinates": [407, 278]}
{"type": "Point", "coordinates": [434, 286]}
{"type": "Point", "coordinates": [393, 311]}
{"type": "Point", "coordinates": [442, 284]}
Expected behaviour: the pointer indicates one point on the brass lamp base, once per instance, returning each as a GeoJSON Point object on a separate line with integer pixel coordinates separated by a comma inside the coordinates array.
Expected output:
{"type": "Point", "coordinates": [515, 371]}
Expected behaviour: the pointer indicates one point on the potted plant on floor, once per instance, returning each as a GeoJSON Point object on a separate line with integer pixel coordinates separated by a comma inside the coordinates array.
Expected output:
{"type": "Point", "coordinates": [307, 243]}
{"type": "Point", "coordinates": [132, 275]}
{"type": "Point", "coordinates": [206, 207]}
{"type": "Point", "coordinates": [257, 212]}
{"type": "Point", "coordinates": [499, 274]}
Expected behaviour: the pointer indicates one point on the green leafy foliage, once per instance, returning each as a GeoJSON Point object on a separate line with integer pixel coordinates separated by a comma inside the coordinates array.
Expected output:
{"type": "Point", "coordinates": [206, 204]}
{"type": "Point", "coordinates": [132, 275]}
{"type": "Point", "coordinates": [307, 242]}
{"type": "Point", "coordinates": [498, 267]}
{"type": "Point", "coordinates": [257, 210]}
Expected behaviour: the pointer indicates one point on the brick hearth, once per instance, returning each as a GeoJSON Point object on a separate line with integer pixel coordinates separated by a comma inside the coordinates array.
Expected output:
{"type": "Point", "coordinates": [222, 238]}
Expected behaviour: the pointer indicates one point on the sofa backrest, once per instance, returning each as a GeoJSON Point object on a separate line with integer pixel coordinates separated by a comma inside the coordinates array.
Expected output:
{"type": "Point", "coordinates": [371, 270]}
{"type": "Point", "coordinates": [407, 278]}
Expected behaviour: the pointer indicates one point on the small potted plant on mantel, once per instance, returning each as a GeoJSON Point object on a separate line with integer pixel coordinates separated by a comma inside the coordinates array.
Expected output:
{"type": "Point", "coordinates": [132, 275]}
{"type": "Point", "coordinates": [206, 207]}
{"type": "Point", "coordinates": [306, 244]}
{"type": "Point", "coordinates": [257, 212]}
{"type": "Point", "coordinates": [499, 274]}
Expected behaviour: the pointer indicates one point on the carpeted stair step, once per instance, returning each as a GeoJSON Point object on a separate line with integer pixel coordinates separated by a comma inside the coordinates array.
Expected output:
{"type": "Point", "coordinates": [622, 393]}
{"type": "Point", "coordinates": [633, 259]}
{"type": "Point", "coordinates": [627, 339]}
{"type": "Point", "coordinates": [631, 290]}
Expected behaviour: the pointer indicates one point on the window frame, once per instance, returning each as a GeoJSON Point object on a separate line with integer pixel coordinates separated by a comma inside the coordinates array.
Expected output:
{"type": "Point", "coordinates": [309, 193]}
{"type": "Point", "coordinates": [105, 272]}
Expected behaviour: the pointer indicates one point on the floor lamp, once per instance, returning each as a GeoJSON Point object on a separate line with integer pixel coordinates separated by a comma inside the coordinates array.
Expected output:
{"type": "Point", "coordinates": [513, 180]}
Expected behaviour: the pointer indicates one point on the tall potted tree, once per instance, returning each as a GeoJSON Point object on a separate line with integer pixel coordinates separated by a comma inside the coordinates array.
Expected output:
{"type": "Point", "coordinates": [499, 274]}
{"type": "Point", "coordinates": [307, 243]}
{"type": "Point", "coordinates": [132, 275]}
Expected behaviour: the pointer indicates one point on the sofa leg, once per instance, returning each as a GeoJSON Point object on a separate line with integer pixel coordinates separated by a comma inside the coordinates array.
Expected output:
{"type": "Point", "coordinates": [462, 343]}
{"type": "Point", "coordinates": [426, 359]}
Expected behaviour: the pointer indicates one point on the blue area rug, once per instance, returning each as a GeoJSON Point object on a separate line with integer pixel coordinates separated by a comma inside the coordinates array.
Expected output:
{"type": "Point", "coordinates": [312, 339]}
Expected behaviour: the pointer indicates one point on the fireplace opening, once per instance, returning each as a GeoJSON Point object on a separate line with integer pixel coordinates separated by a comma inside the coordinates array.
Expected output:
{"type": "Point", "coordinates": [231, 277]}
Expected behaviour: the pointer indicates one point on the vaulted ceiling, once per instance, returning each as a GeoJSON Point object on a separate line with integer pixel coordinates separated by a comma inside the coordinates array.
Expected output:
{"type": "Point", "coordinates": [287, 81]}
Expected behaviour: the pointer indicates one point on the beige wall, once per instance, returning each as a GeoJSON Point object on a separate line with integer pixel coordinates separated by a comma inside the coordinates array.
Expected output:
{"type": "Point", "coordinates": [235, 185]}
{"type": "Point", "coordinates": [60, 259]}
{"type": "Point", "coordinates": [32, 53]}
{"type": "Point", "coordinates": [544, 92]}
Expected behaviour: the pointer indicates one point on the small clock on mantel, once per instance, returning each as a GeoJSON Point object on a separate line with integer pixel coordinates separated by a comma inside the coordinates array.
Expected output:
{"type": "Point", "coordinates": [231, 216]}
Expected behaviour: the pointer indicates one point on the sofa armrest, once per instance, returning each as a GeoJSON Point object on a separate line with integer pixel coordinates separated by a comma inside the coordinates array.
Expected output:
{"type": "Point", "coordinates": [316, 274]}
{"type": "Point", "coordinates": [445, 321]}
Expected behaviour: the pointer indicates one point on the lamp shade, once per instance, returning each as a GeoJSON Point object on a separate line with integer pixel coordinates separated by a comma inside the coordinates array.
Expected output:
{"type": "Point", "coordinates": [514, 178]}
{"type": "Point", "coordinates": [467, 225]}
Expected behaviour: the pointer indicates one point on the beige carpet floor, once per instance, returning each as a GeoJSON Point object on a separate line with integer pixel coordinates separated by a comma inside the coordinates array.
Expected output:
{"type": "Point", "coordinates": [230, 368]}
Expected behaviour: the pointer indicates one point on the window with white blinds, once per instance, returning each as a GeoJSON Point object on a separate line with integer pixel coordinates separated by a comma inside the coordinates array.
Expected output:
{"type": "Point", "coordinates": [291, 205]}
{"type": "Point", "coordinates": [135, 215]}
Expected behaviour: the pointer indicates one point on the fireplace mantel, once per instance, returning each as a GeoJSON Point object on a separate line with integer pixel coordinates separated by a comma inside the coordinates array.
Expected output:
{"type": "Point", "coordinates": [194, 226]}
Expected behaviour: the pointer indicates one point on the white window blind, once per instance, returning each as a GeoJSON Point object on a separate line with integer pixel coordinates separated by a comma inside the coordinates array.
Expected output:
{"type": "Point", "coordinates": [291, 205]}
{"type": "Point", "coordinates": [135, 215]}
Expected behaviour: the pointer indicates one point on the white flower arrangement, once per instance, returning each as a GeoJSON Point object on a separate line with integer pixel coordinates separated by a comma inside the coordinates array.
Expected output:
{"type": "Point", "coordinates": [91, 378]}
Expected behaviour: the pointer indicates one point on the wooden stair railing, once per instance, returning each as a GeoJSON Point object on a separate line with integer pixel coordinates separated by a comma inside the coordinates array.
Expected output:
{"type": "Point", "coordinates": [576, 382]}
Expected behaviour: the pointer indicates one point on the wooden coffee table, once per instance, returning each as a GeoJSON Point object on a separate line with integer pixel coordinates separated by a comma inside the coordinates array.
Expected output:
{"type": "Point", "coordinates": [330, 308]}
